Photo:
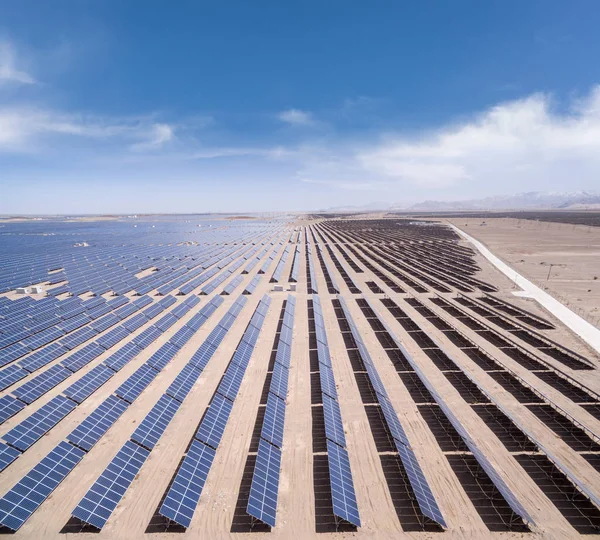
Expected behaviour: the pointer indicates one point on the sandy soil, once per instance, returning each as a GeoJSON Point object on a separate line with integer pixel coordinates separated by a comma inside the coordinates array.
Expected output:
{"type": "Point", "coordinates": [531, 247]}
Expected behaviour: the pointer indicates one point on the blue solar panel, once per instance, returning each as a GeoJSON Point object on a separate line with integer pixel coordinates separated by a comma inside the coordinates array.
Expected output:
{"type": "Point", "coordinates": [125, 311]}
{"type": "Point", "coordinates": [286, 335]}
{"type": "Point", "coordinates": [156, 421]}
{"type": "Point", "coordinates": [184, 382]}
{"type": "Point", "coordinates": [418, 482]}
{"type": "Point", "coordinates": [82, 357]}
{"type": "Point", "coordinates": [105, 322]}
{"type": "Point", "coordinates": [203, 354]}
{"type": "Point", "coordinates": [40, 358]}
{"type": "Point", "coordinates": [123, 356]}
{"type": "Point", "coordinates": [23, 435]}
{"type": "Point", "coordinates": [213, 424]}
{"type": "Point", "coordinates": [100, 501]}
{"type": "Point", "coordinates": [96, 424]}
{"type": "Point", "coordinates": [283, 355]}
{"type": "Point", "coordinates": [327, 381]}
{"type": "Point", "coordinates": [78, 337]}
{"type": "Point", "coordinates": [110, 339]}
{"type": "Point", "coordinates": [148, 336]}
{"type": "Point", "coordinates": [262, 502]}
{"type": "Point", "coordinates": [10, 375]}
{"type": "Point", "coordinates": [12, 352]}
{"type": "Point", "coordinates": [7, 455]}
{"type": "Point", "coordinates": [164, 323]}
{"type": "Point", "coordinates": [39, 385]}
{"type": "Point", "coordinates": [35, 487]}
{"type": "Point", "coordinates": [135, 322]}
{"type": "Point", "coordinates": [342, 486]}
{"type": "Point", "coordinates": [42, 338]}
{"type": "Point", "coordinates": [392, 421]}
{"type": "Point", "coordinates": [182, 336]}
{"type": "Point", "coordinates": [136, 383]}
{"type": "Point", "coordinates": [89, 383]}
{"type": "Point", "coordinates": [163, 356]}
{"type": "Point", "coordinates": [184, 494]}
{"type": "Point", "coordinates": [9, 406]}
{"type": "Point", "coordinates": [279, 381]}
{"type": "Point", "coordinates": [334, 427]}
{"type": "Point", "coordinates": [231, 382]}
{"type": "Point", "coordinates": [272, 429]}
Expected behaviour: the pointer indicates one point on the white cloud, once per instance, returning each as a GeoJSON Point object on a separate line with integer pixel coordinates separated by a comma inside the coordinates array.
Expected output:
{"type": "Point", "coordinates": [8, 70]}
{"type": "Point", "coordinates": [159, 135]}
{"type": "Point", "coordinates": [296, 117]}
{"type": "Point", "coordinates": [518, 144]}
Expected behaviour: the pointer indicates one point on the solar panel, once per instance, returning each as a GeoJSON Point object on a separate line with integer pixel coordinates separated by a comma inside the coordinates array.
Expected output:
{"type": "Point", "coordinates": [334, 427]}
{"type": "Point", "coordinates": [156, 421]}
{"type": "Point", "coordinates": [12, 352]}
{"type": "Point", "coordinates": [91, 430]}
{"type": "Point", "coordinates": [39, 385]}
{"type": "Point", "coordinates": [184, 494]}
{"type": "Point", "coordinates": [279, 381]}
{"type": "Point", "coordinates": [203, 354]}
{"type": "Point", "coordinates": [283, 355]}
{"type": "Point", "coordinates": [148, 336]}
{"type": "Point", "coordinates": [9, 406]}
{"type": "Point", "coordinates": [323, 353]}
{"type": "Point", "coordinates": [82, 357]}
{"type": "Point", "coordinates": [42, 338]}
{"type": "Point", "coordinates": [10, 375]}
{"type": "Point", "coordinates": [105, 322]}
{"type": "Point", "coordinates": [125, 311]}
{"type": "Point", "coordinates": [78, 337]}
{"type": "Point", "coordinates": [164, 323]}
{"type": "Point", "coordinates": [25, 434]}
{"type": "Point", "coordinates": [184, 382]}
{"type": "Point", "coordinates": [33, 489]}
{"type": "Point", "coordinates": [7, 455]}
{"type": "Point", "coordinates": [272, 428]}
{"type": "Point", "coordinates": [231, 381]}
{"type": "Point", "coordinates": [136, 383]}
{"type": "Point", "coordinates": [110, 339]}
{"type": "Point", "coordinates": [123, 356]}
{"type": "Point", "coordinates": [182, 336]}
{"type": "Point", "coordinates": [262, 502]}
{"type": "Point", "coordinates": [163, 356]}
{"type": "Point", "coordinates": [100, 501]}
{"type": "Point", "coordinates": [213, 425]}
{"type": "Point", "coordinates": [392, 421]}
{"type": "Point", "coordinates": [243, 353]}
{"type": "Point", "coordinates": [135, 322]}
{"type": "Point", "coordinates": [40, 358]}
{"type": "Point", "coordinates": [89, 383]}
{"type": "Point", "coordinates": [418, 482]}
{"type": "Point", "coordinates": [342, 486]}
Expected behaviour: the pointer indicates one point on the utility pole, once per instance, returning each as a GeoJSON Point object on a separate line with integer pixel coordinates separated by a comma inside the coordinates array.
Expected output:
{"type": "Point", "coordinates": [549, 270]}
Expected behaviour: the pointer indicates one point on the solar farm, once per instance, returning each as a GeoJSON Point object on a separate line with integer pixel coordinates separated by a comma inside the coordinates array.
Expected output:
{"type": "Point", "coordinates": [296, 376]}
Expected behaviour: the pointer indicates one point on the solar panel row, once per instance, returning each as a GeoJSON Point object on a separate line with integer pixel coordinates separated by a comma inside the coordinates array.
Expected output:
{"type": "Point", "coordinates": [418, 482]}
{"type": "Point", "coordinates": [183, 496]}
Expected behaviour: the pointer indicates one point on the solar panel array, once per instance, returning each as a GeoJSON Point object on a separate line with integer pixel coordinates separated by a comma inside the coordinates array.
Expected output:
{"type": "Point", "coordinates": [418, 482]}
{"type": "Point", "coordinates": [485, 464]}
{"type": "Point", "coordinates": [262, 502]}
{"type": "Point", "coordinates": [295, 266]}
{"type": "Point", "coordinates": [276, 277]}
{"type": "Point", "coordinates": [90, 430]}
{"type": "Point", "coordinates": [182, 498]}
{"type": "Point", "coordinates": [340, 476]}
{"type": "Point", "coordinates": [102, 498]}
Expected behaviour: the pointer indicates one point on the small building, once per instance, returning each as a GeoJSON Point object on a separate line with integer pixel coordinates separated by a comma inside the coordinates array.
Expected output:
{"type": "Point", "coordinates": [22, 290]}
{"type": "Point", "coordinates": [37, 289]}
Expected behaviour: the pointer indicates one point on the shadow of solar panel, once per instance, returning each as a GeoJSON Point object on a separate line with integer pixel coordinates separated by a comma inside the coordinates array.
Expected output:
{"type": "Point", "coordinates": [184, 494]}
{"type": "Point", "coordinates": [89, 383]}
{"type": "Point", "coordinates": [342, 485]}
{"type": "Point", "coordinates": [136, 383]}
{"type": "Point", "coordinates": [102, 498]}
{"type": "Point", "coordinates": [274, 420]}
{"type": "Point", "coordinates": [419, 484]}
{"type": "Point", "coordinates": [213, 425]}
{"type": "Point", "coordinates": [7, 455]}
{"type": "Point", "coordinates": [262, 502]}
{"type": "Point", "coordinates": [184, 382]}
{"type": "Point", "coordinates": [35, 487]}
{"type": "Point", "coordinates": [42, 357]}
{"type": "Point", "coordinates": [10, 375]}
{"type": "Point", "coordinates": [39, 385]}
{"type": "Point", "coordinates": [156, 421]}
{"type": "Point", "coordinates": [334, 428]}
{"type": "Point", "coordinates": [91, 430]}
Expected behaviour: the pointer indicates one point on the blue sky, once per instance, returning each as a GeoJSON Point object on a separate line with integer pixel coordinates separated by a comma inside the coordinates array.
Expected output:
{"type": "Point", "coordinates": [127, 106]}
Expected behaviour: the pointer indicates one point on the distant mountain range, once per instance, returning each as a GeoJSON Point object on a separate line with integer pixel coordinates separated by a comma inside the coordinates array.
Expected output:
{"type": "Point", "coordinates": [549, 200]}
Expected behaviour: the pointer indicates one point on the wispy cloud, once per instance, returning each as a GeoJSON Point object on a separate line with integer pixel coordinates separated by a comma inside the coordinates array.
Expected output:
{"type": "Point", "coordinates": [159, 135]}
{"type": "Point", "coordinates": [296, 117]}
{"type": "Point", "coordinates": [9, 73]}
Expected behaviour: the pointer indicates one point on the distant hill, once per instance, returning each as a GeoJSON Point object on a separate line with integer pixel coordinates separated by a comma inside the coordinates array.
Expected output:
{"type": "Point", "coordinates": [550, 200]}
